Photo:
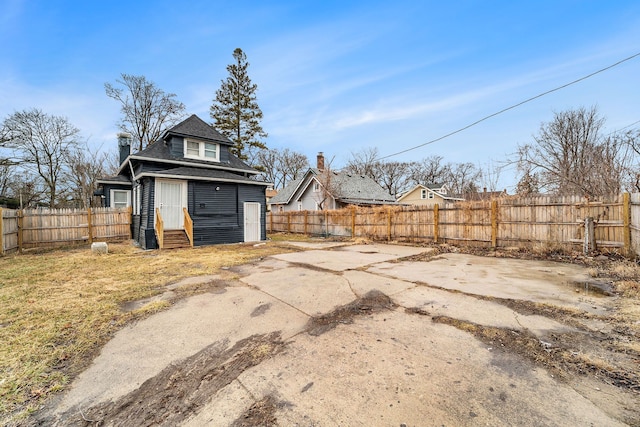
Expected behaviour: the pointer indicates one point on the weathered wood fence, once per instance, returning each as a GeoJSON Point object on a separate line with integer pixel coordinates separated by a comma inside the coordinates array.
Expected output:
{"type": "Point", "coordinates": [547, 222]}
{"type": "Point", "coordinates": [32, 228]}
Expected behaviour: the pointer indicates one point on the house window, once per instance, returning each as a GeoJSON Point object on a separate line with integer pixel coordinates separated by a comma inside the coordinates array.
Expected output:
{"type": "Point", "coordinates": [201, 150]}
{"type": "Point", "coordinates": [423, 194]}
{"type": "Point", "coordinates": [316, 187]}
{"type": "Point", "coordinates": [431, 195]}
{"type": "Point", "coordinates": [299, 206]}
{"type": "Point", "coordinates": [120, 198]}
{"type": "Point", "coordinates": [137, 199]}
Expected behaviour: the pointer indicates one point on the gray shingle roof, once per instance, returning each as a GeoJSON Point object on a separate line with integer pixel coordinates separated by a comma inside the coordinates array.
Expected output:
{"type": "Point", "coordinates": [348, 188]}
{"type": "Point", "coordinates": [196, 127]}
{"type": "Point", "coordinates": [160, 150]}
{"type": "Point", "coordinates": [285, 194]}
{"type": "Point", "coordinates": [357, 187]}
{"type": "Point", "coordinates": [205, 174]}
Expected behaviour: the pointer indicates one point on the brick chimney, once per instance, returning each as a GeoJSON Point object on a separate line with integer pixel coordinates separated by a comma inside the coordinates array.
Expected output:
{"type": "Point", "coordinates": [320, 162]}
{"type": "Point", "coordinates": [124, 146]}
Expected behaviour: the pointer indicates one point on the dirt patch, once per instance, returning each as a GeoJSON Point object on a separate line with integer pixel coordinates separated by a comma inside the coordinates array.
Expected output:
{"type": "Point", "coordinates": [372, 302]}
{"type": "Point", "coordinates": [181, 388]}
{"type": "Point", "coordinates": [261, 413]}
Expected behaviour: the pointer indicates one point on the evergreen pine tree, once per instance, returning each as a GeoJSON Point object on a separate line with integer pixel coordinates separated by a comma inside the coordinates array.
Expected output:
{"type": "Point", "coordinates": [235, 111]}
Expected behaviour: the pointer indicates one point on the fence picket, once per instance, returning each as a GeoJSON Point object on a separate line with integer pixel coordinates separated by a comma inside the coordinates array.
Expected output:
{"type": "Point", "coordinates": [546, 221]}
{"type": "Point", "coordinates": [32, 228]}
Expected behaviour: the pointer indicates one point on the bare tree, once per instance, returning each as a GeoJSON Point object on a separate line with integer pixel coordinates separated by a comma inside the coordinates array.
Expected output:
{"type": "Point", "coordinates": [146, 109]}
{"type": "Point", "coordinates": [570, 156]}
{"type": "Point", "coordinates": [365, 162]}
{"type": "Point", "coordinates": [528, 184]}
{"type": "Point", "coordinates": [394, 176]}
{"type": "Point", "coordinates": [42, 142]}
{"type": "Point", "coordinates": [491, 175]}
{"type": "Point", "coordinates": [462, 178]}
{"type": "Point", "coordinates": [431, 170]}
{"type": "Point", "coordinates": [85, 167]}
{"type": "Point", "coordinates": [631, 139]}
{"type": "Point", "coordinates": [282, 166]}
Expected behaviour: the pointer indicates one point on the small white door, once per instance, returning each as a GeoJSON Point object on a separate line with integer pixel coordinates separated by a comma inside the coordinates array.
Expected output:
{"type": "Point", "coordinates": [171, 197]}
{"type": "Point", "coordinates": [251, 222]}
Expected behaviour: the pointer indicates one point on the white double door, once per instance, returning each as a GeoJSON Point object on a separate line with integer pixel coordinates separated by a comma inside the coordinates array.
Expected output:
{"type": "Point", "coordinates": [170, 198]}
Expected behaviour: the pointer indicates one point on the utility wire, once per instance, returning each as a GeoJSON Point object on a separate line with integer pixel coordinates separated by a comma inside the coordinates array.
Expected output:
{"type": "Point", "coordinates": [512, 107]}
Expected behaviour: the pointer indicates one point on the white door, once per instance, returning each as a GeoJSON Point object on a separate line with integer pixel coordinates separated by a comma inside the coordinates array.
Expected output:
{"type": "Point", "coordinates": [251, 222]}
{"type": "Point", "coordinates": [171, 197]}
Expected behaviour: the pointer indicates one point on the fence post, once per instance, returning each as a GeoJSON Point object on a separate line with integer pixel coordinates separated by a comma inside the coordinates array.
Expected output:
{"type": "Point", "coordinates": [89, 225]}
{"type": "Point", "coordinates": [436, 219]}
{"type": "Point", "coordinates": [288, 222]}
{"type": "Point", "coordinates": [494, 224]}
{"type": "Point", "coordinates": [270, 221]}
{"type": "Point", "coordinates": [306, 215]}
{"type": "Point", "coordinates": [353, 222]}
{"type": "Point", "coordinates": [1, 233]}
{"type": "Point", "coordinates": [388, 224]}
{"type": "Point", "coordinates": [326, 224]}
{"type": "Point", "coordinates": [20, 232]}
{"type": "Point", "coordinates": [130, 218]}
{"type": "Point", "coordinates": [626, 223]}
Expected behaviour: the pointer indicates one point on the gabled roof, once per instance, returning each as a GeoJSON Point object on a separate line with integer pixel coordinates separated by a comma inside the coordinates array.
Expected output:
{"type": "Point", "coordinates": [345, 187]}
{"type": "Point", "coordinates": [432, 188]}
{"type": "Point", "coordinates": [284, 196]}
{"type": "Point", "coordinates": [160, 151]}
{"type": "Point", "coordinates": [195, 127]}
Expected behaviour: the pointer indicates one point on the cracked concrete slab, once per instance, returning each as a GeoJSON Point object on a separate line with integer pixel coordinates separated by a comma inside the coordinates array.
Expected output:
{"type": "Point", "coordinates": [438, 302]}
{"type": "Point", "coordinates": [396, 369]}
{"type": "Point", "coordinates": [142, 350]}
{"type": "Point", "coordinates": [539, 281]}
{"type": "Point", "coordinates": [350, 257]}
{"type": "Point", "coordinates": [310, 291]}
{"type": "Point", "coordinates": [362, 282]}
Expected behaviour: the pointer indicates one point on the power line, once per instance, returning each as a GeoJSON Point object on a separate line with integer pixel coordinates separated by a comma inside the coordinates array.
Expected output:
{"type": "Point", "coordinates": [623, 128]}
{"type": "Point", "coordinates": [513, 106]}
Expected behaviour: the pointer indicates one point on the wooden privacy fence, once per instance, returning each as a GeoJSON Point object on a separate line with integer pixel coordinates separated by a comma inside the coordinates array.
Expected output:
{"type": "Point", "coordinates": [32, 228]}
{"type": "Point", "coordinates": [550, 222]}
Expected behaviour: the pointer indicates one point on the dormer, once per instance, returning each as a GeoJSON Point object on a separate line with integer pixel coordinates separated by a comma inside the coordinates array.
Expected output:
{"type": "Point", "coordinates": [194, 139]}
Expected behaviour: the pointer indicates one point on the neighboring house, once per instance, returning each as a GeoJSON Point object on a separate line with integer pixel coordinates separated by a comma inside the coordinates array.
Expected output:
{"type": "Point", "coordinates": [270, 194]}
{"type": "Point", "coordinates": [428, 195]}
{"type": "Point", "coordinates": [484, 195]}
{"type": "Point", "coordinates": [321, 189]}
{"type": "Point", "coordinates": [188, 176]}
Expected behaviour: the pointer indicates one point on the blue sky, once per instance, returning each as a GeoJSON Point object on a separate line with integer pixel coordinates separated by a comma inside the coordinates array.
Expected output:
{"type": "Point", "coordinates": [334, 76]}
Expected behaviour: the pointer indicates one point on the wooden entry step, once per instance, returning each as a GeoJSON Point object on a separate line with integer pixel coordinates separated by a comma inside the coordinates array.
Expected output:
{"type": "Point", "coordinates": [174, 239]}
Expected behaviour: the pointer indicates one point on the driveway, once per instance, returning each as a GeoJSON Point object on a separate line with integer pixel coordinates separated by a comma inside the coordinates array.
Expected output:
{"type": "Point", "coordinates": [360, 335]}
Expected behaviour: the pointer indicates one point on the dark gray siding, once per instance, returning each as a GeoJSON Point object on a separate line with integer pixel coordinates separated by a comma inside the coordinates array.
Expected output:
{"type": "Point", "coordinates": [106, 202]}
{"type": "Point", "coordinates": [176, 146]}
{"type": "Point", "coordinates": [214, 208]}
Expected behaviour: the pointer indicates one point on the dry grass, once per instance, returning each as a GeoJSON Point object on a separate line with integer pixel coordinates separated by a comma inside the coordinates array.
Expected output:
{"type": "Point", "coordinates": [57, 308]}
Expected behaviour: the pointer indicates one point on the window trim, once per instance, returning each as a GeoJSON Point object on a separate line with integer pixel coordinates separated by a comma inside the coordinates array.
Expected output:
{"type": "Point", "coordinates": [201, 150]}
{"type": "Point", "coordinates": [423, 193]}
{"type": "Point", "coordinates": [136, 199]}
{"type": "Point", "coordinates": [112, 198]}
